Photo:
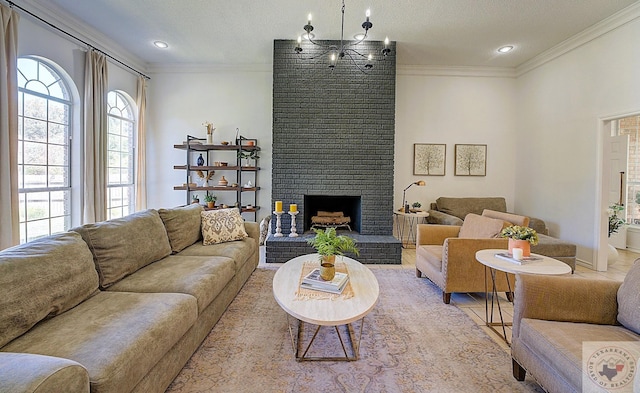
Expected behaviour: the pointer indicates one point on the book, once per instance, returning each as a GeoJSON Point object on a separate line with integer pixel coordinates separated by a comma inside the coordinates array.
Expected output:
{"type": "Point", "coordinates": [509, 257]}
{"type": "Point", "coordinates": [314, 281]}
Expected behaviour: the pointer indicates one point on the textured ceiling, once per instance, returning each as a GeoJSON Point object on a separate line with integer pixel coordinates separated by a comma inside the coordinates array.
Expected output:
{"type": "Point", "coordinates": [241, 32]}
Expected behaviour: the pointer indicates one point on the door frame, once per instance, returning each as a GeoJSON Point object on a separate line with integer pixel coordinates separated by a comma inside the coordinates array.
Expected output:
{"type": "Point", "coordinates": [601, 230]}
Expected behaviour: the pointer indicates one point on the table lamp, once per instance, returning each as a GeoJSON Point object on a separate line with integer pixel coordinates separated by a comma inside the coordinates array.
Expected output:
{"type": "Point", "coordinates": [404, 193]}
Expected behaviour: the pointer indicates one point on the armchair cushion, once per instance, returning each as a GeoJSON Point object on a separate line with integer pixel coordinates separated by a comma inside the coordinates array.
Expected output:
{"type": "Point", "coordinates": [514, 219]}
{"type": "Point", "coordinates": [629, 299]}
{"type": "Point", "coordinates": [479, 227]}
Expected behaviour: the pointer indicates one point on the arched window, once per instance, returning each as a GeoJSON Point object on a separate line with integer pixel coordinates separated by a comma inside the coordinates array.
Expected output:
{"type": "Point", "coordinates": [120, 168]}
{"type": "Point", "coordinates": [44, 153]}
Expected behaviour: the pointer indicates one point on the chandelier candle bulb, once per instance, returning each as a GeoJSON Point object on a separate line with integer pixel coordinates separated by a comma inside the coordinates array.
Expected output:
{"type": "Point", "coordinates": [293, 208]}
{"type": "Point", "coordinates": [278, 206]}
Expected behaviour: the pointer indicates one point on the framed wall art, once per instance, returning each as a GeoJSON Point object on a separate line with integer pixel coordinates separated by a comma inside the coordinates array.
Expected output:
{"type": "Point", "coordinates": [471, 160]}
{"type": "Point", "coordinates": [429, 159]}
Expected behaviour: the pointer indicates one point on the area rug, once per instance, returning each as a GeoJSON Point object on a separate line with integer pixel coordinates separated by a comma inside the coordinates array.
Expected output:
{"type": "Point", "coordinates": [412, 342]}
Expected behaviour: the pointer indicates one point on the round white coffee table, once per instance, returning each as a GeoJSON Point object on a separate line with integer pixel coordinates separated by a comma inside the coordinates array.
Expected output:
{"type": "Point", "coordinates": [544, 265]}
{"type": "Point", "coordinates": [328, 310]}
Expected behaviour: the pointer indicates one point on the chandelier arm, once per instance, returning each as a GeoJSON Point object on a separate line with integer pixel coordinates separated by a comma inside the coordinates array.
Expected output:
{"type": "Point", "coordinates": [315, 56]}
{"type": "Point", "coordinates": [356, 63]}
{"type": "Point", "coordinates": [349, 50]}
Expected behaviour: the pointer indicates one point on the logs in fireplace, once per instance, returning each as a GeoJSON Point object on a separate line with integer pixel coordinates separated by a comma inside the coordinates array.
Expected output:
{"type": "Point", "coordinates": [330, 220]}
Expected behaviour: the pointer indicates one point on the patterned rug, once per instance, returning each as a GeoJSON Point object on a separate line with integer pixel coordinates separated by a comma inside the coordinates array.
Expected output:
{"type": "Point", "coordinates": [412, 342]}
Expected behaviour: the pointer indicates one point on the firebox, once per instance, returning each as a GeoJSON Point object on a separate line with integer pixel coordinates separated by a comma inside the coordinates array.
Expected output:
{"type": "Point", "coordinates": [349, 207]}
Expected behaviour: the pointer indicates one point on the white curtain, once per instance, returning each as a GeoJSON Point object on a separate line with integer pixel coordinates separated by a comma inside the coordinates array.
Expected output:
{"type": "Point", "coordinates": [9, 204]}
{"type": "Point", "coordinates": [141, 169]}
{"type": "Point", "coordinates": [95, 128]}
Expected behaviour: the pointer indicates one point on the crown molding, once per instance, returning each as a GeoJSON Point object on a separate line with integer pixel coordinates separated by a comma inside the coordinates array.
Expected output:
{"type": "Point", "coordinates": [616, 20]}
{"type": "Point", "coordinates": [463, 71]}
{"type": "Point", "coordinates": [163, 68]}
{"type": "Point", "coordinates": [57, 17]}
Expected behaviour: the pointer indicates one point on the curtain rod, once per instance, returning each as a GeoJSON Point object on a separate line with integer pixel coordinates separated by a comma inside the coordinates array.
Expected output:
{"type": "Point", "coordinates": [12, 4]}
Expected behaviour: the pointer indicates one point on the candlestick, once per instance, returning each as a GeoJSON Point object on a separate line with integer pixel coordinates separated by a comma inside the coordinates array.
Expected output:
{"type": "Point", "coordinates": [279, 206]}
{"type": "Point", "coordinates": [293, 207]}
{"type": "Point", "coordinates": [278, 224]}
{"type": "Point", "coordinates": [293, 215]}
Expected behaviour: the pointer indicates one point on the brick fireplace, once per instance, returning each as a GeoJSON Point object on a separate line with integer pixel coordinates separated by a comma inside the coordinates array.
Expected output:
{"type": "Point", "coordinates": [333, 137]}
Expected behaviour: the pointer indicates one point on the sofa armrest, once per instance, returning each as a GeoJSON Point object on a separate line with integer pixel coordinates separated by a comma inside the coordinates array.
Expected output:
{"type": "Point", "coordinates": [462, 252]}
{"type": "Point", "coordinates": [440, 218]}
{"type": "Point", "coordinates": [253, 230]}
{"type": "Point", "coordinates": [23, 372]}
{"type": "Point", "coordinates": [565, 299]}
{"type": "Point", "coordinates": [428, 234]}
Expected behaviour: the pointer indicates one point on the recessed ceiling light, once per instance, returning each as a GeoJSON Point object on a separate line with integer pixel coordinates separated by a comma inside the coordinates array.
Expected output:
{"type": "Point", "coordinates": [505, 49]}
{"type": "Point", "coordinates": [161, 44]}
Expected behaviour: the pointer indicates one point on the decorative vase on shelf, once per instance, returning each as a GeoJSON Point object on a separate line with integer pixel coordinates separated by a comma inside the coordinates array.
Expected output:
{"type": "Point", "coordinates": [200, 160]}
{"type": "Point", "coordinates": [524, 244]}
{"type": "Point", "coordinates": [223, 182]}
{"type": "Point", "coordinates": [210, 139]}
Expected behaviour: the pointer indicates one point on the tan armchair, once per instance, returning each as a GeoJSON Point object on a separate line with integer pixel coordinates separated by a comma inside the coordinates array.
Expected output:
{"type": "Point", "coordinates": [445, 254]}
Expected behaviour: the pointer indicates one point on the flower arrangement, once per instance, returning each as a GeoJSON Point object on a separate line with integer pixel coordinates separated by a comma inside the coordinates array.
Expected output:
{"type": "Point", "coordinates": [210, 127]}
{"type": "Point", "coordinates": [205, 178]}
{"type": "Point", "coordinates": [615, 222]}
{"type": "Point", "coordinates": [517, 232]}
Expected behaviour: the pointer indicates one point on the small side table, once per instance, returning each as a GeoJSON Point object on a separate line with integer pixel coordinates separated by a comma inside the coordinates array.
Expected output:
{"type": "Point", "coordinates": [545, 266]}
{"type": "Point", "coordinates": [407, 223]}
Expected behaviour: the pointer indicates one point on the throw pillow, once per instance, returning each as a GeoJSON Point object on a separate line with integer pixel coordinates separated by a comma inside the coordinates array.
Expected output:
{"type": "Point", "coordinates": [479, 227]}
{"type": "Point", "coordinates": [629, 299]}
{"type": "Point", "coordinates": [223, 225]}
{"type": "Point", "coordinates": [182, 225]}
{"type": "Point", "coordinates": [514, 219]}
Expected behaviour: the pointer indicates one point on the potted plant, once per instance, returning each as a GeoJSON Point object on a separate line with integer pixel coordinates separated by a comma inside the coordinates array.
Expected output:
{"type": "Point", "coordinates": [248, 155]}
{"type": "Point", "coordinates": [329, 244]}
{"type": "Point", "coordinates": [211, 200]}
{"type": "Point", "coordinates": [195, 198]}
{"type": "Point", "coordinates": [520, 237]}
{"type": "Point", "coordinates": [416, 206]}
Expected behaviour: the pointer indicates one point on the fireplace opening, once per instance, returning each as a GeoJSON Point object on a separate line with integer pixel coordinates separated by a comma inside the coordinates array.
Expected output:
{"type": "Point", "coordinates": [333, 209]}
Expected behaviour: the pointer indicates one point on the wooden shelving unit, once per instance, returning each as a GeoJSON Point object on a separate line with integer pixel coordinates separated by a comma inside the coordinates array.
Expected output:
{"type": "Point", "coordinates": [211, 154]}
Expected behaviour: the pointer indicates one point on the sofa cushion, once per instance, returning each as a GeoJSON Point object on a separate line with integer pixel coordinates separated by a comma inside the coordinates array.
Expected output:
{"type": "Point", "coordinates": [222, 225]}
{"type": "Point", "coordinates": [432, 254]}
{"type": "Point", "coordinates": [560, 343]}
{"type": "Point", "coordinates": [552, 247]}
{"type": "Point", "coordinates": [201, 277]}
{"type": "Point", "coordinates": [479, 227]}
{"type": "Point", "coordinates": [460, 207]}
{"type": "Point", "coordinates": [41, 279]}
{"type": "Point", "coordinates": [514, 219]}
{"type": "Point", "coordinates": [182, 225]}
{"type": "Point", "coordinates": [123, 245]}
{"type": "Point", "coordinates": [629, 299]}
{"type": "Point", "coordinates": [240, 251]}
{"type": "Point", "coordinates": [117, 336]}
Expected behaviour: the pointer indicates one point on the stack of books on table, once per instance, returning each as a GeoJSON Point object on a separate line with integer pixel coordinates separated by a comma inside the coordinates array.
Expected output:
{"type": "Point", "coordinates": [509, 257]}
{"type": "Point", "coordinates": [315, 282]}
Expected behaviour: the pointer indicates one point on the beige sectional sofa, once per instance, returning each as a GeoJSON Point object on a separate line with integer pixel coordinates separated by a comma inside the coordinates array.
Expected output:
{"type": "Point", "coordinates": [554, 317]}
{"type": "Point", "coordinates": [453, 210]}
{"type": "Point", "coordinates": [117, 306]}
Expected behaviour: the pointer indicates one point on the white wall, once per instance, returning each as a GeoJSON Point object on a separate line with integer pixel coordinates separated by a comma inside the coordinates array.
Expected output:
{"type": "Point", "coordinates": [559, 107]}
{"type": "Point", "coordinates": [455, 110]}
{"type": "Point", "coordinates": [179, 102]}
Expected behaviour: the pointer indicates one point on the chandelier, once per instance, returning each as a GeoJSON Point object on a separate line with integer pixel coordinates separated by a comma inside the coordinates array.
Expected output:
{"type": "Point", "coordinates": [363, 62]}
